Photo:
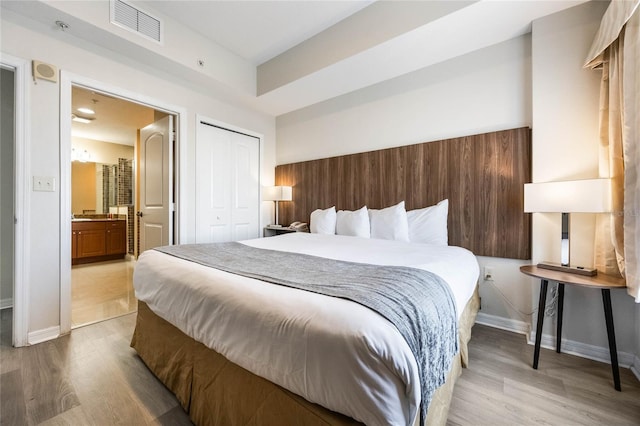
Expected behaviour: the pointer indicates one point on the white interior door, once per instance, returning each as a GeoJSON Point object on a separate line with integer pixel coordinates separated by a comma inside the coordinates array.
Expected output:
{"type": "Point", "coordinates": [156, 184]}
{"type": "Point", "coordinates": [227, 185]}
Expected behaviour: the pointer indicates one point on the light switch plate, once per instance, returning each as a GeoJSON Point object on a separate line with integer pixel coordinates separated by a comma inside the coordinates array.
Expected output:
{"type": "Point", "coordinates": [44, 183]}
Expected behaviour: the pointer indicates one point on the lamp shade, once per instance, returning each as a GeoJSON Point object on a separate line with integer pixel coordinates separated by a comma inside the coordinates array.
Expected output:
{"type": "Point", "coordinates": [575, 196]}
{"type": "Point", "coordinates": [277, 193]}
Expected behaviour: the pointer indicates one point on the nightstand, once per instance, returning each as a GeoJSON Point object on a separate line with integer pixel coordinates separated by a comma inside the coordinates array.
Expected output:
{"type": "Point", "coordinates": [272, 231]}
{"type": "Point", "coordinates": [601, 281]}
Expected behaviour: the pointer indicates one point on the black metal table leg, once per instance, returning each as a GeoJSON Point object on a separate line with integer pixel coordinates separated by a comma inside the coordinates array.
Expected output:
{"type": "Point", "coordinates": [559, 325]}
{"type": "Point", "coordinates": [608, 316]}
{"type": "Point", "coordinates": [541, 304]}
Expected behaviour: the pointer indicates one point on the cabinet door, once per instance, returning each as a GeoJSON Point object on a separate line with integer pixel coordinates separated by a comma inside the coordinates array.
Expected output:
{"type": "Point", "coordinates": [116, 239]}
{"type": "Point", "coordinates": [91, 243]}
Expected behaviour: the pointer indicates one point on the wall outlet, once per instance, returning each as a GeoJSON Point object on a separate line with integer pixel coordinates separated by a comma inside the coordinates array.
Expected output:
{"type": "Point", "coordinates": [44, 183]}
{"type": "Point", "coordinates": [488, 273]}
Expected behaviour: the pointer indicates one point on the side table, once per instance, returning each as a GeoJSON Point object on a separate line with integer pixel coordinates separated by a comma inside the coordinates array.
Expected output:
{"type": "Point", "coordinates": [601, 281]}
{"type": "Point", "coordinates": [270, 231]}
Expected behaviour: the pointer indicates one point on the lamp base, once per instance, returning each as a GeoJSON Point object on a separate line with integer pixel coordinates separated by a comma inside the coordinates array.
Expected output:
{"type": "Point", "coordinates": [580, 270]}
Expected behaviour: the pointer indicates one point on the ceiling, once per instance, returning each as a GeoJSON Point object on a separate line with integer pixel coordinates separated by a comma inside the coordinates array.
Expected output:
{"type": "Point", "coordinates": [306, 52]}
{"type": "Point", "coordinates": [299, 53]}
{"type": "Point", "coordinates": [269, 28]}
{"type": "Point", "coordinates": [257, 30]}
{"type": "Point", "coordinates": [114, 120]}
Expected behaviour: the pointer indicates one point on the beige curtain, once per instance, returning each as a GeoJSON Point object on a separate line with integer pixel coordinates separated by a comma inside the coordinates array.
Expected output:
{"type": "Point", "coordinates": [616, 50]}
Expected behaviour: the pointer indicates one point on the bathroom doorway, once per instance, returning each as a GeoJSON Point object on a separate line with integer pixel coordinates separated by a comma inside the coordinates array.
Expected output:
{"type": "Point", "coordinates": [105, 143]}
{"type": "Point", "coordinates": [7, 211]}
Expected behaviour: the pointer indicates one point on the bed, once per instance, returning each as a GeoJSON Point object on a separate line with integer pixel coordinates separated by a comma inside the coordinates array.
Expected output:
{"type": "Point", "coordinates": [272, 354]}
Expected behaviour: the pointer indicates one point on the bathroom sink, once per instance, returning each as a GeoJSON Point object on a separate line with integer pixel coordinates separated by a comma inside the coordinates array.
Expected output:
{"type": "Point", "coordinates": [81, 220]}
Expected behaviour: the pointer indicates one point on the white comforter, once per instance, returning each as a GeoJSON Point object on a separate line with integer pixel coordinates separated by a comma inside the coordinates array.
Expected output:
{"type": "Point", "coordinates": [331, 351]}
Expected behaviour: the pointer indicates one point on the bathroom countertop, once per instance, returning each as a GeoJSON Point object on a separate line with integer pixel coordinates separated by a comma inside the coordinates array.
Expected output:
{"type": "Point", "coordinates": [96, 220]}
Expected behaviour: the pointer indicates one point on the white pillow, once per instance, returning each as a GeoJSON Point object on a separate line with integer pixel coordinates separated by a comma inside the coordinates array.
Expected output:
{"type": "Point", "coordinates": [353, 223]}
{"type": "Point", "coordinates": [390, 223]}
{"type": "Point", "coordinates": [323, 221]}
{"type": "Point", "coordinates": [429, 225]}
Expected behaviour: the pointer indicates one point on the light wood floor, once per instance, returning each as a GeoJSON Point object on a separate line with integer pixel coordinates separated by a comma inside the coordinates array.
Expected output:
{"type": "Point", "coordinates": [93, 377]}
{"type": "Point", "coordinates": [501, 388]}
{"type": "Point", "coordinates": [90, 377]}
{"type": "Point", "coordinates": [101, 291]}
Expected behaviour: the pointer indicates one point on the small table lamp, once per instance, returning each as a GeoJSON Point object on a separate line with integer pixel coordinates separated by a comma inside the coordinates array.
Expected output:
{"type": "Point", "coordinates": [277, 194]}
{"type": "Point", "coordinates": [576, 196]}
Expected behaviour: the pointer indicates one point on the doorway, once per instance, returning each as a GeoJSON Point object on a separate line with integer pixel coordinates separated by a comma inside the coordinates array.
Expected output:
{"type": "Point", "coordinates": [7, 197]}
{"type": "Point", "coordinates": [106, 184]}
{"type": "Point", "coordinates": [15, 321]}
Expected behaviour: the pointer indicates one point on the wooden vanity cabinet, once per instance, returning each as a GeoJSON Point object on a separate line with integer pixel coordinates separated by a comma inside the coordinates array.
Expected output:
{"type": "Point", "coordinates": [116, 237]}
{"type": "Point", "coordinates": [97, 240]}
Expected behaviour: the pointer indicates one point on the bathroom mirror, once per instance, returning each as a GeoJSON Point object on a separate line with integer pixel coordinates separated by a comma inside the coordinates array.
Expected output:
{"type": "Point", "coordinates": [94, 187]}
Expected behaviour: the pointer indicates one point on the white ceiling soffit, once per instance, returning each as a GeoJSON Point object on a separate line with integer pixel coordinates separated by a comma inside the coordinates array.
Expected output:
{"type": "Point", "coordinates": [374, 25]}
{"type": "Point", "coordinates": [391, 48]}
{"type": "Point", "coordinates": [257, 30]}
{"type": "Point", "coordinates": [473, 27]}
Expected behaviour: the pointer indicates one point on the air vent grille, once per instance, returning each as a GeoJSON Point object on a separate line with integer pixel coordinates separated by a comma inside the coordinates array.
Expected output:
{"type": "Point", "coordinates": [127, 16]}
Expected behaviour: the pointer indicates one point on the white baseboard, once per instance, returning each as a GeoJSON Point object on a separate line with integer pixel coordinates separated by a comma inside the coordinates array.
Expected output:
{"type": "Point", "coordinates": [43, 335]}
{"type": "Point", "coordinates": [596, 353]}
{"type": "Point", "coordinates": [635, 368]}
{"type": "Point", "coordinates": [6, 303]}
{"type": "Point", "coordinates": [502, 323]}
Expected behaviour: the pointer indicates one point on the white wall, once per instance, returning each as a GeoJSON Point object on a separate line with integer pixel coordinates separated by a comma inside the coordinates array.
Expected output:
{"type": "Point", "coordinates": [30, 40]}
{"type": "Point", "coordinates": [533, 80]}
{"type": "Point", "coordinates": [480, 92]}
{"type": "Point", "coordinates": [181, 48]}
{"type": "Point", "coordinates": [6, 187]}
{"type": "Point", "coordinates": [565, 146]}
{"type": "Point", "coordinates": [483, 91]}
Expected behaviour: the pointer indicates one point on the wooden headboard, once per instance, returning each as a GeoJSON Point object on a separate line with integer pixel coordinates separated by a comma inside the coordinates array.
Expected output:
{"type": "Point", "coordinates": [483, 177]}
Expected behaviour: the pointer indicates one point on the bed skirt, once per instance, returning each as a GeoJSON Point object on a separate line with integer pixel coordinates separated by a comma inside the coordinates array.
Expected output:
{"type": "Point", "coordinates": [215, 391]}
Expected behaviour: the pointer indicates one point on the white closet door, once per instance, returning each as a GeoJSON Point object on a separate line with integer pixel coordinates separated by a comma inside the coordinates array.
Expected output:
{"type": "Point", "coordinates": [227, 185]}
{"type": "Point", "coordinates": [245, 198]}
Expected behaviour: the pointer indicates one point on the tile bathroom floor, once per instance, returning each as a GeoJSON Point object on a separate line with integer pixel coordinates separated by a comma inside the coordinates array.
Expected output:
{"type": "Point", "coordinates": [101, 290]}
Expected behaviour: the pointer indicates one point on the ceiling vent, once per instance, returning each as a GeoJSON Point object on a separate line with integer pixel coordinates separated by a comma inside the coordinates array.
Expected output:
{"type": "Point", "coordinates": [131, 18]}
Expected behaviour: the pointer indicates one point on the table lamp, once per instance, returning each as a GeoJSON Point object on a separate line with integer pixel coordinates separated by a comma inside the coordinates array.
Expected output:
{"type": "Point", "coordinates": [576, 196]}
{"type": "Point", "coordinates": [277, 194]}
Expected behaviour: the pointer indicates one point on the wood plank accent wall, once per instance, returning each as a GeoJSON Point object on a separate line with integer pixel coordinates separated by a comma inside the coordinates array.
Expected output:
{"type": "Point", "coordinates": [483, 177]}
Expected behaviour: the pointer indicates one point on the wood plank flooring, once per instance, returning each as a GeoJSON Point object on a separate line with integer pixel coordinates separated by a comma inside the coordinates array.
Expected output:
{"type": "Point", "coordinates": [93, 377]}
{"type": "Point", "coordinates": [501, 388]}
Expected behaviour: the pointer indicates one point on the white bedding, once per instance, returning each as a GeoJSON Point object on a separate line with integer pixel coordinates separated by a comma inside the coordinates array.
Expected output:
{"type": "Point", "coordinates": [304, 341]}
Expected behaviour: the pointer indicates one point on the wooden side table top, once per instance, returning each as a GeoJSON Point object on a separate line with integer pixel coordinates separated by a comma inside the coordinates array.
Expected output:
{"type": "Point", "coordinates": [597, 281]}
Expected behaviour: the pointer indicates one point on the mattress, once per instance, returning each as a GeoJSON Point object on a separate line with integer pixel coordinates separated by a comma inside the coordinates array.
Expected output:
{"type": "Point", "coordinates": [302, 341]}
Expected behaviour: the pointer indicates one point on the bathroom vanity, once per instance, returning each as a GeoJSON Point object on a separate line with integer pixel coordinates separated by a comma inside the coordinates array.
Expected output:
{"type": "Point", "coordinates": [97, 240]}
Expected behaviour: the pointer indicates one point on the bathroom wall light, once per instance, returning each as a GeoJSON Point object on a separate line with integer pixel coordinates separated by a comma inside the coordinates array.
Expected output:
{"type": "Point", "coordinates": [82, 157]}
{"type": "Point", "coordinates": [86, 110]}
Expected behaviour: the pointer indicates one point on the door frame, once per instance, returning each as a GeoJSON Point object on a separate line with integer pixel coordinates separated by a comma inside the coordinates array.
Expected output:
{"type": "Point", "coordinates": [21, 173]}
{"type": "Point", "coordinates": [67, 80]}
